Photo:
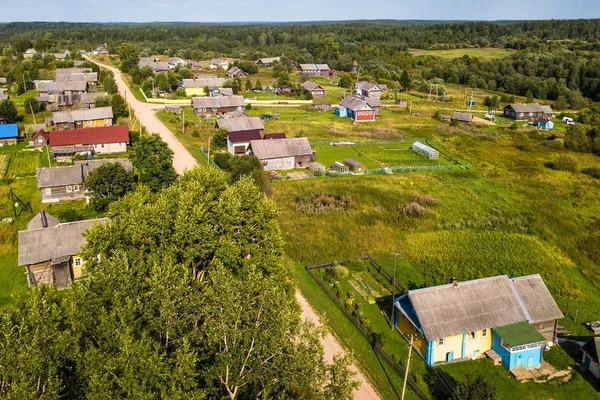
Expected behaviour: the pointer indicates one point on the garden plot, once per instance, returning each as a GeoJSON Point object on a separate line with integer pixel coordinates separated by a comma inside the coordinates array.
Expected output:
{"type": "Point", "coordinates": [367, 286]}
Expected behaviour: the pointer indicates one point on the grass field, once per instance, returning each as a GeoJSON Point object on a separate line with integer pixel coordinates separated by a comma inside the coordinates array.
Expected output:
{"type": "Point", "coordinates": [483, 53]}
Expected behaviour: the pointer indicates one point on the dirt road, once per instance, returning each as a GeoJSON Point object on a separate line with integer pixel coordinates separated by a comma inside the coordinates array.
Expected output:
{"type": "Point", "coordinates": [146, 113]}
{"type": "Point", "coordinates": [183, 160]}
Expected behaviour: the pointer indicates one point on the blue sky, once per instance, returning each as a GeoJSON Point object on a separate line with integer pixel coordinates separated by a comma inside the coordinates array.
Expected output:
{"type": "Point", "coordinates": [290, 10]}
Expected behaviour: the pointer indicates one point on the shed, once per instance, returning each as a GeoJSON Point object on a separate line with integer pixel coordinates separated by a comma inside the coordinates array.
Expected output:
{"type": "Point", "coordinates": [282, 154]}
{"type": "Point", "coordinates": [519, 345]}
{"type": "Point", "coordinates": [173, 109]}
{"type": "Point", "coordinates": [316, 167]}
{"type": "Point", "coordinates": [445, 117]}
{"type": "Point", "coordinates": [462, 117]}
{"type": "Point", "coordinates": [341, 111]}
{"type": "Point", "coordinates": [591, 355]}
{"type": "Point", "coordinates": [425, 150]}
{"type": "Point", "coordinates": [8, 134]}
{"type": "Point", "coordinates": [339, 167]}
{"type": "Point", "coordinates": [544, 123]}
{"type": "Point", "coordinates": [354, 165]}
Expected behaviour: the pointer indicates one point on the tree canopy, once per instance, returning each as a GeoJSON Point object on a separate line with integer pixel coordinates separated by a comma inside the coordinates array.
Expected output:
{"type": "Point", "coordinates": [153, 160]}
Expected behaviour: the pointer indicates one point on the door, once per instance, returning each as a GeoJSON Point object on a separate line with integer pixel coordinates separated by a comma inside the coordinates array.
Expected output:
{"type": "Point", "coordinates": [519, 361]}
{"type": "Point", "coordinates": [449, 356]}
{"type": "Point", "coordinates": [530, 363]}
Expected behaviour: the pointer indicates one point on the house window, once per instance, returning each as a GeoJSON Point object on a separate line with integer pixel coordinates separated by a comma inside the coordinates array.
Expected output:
{"type": "Point", "coordinates": [120, 144]}
{"type": "Point", "coordinates": [76, 188]}
{"type": "Point", "coordinates": [69, 188]}
{"type": "Point", "coordinates": [441, 342]}
{"type": "Point", "coordinates": [472, 335]}
{"type": "Point", "coordinates": [105, 119]}
{"type": "Point", "coordinates": [484, 333]}
{"type": "Point", "coordinates": [89, 122]}
{"type": "Point", "coordinates": [77, 261]}
{"type": "Point", "coordinates": [48, 191]}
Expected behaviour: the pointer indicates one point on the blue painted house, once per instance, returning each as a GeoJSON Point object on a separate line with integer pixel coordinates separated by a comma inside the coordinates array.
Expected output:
{"type": "Point", "coordinates": [357, 109]}
{"type": "Point", "coordinates": [544, 123]}
{"type": "Point", "coordinates": [8, 134]}
{"type": "Point", "coordinates": [510, 319]}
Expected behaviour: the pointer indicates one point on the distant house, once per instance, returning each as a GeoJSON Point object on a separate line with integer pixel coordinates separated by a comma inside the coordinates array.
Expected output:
{"type": "Point", "coordinates": [425, 150]}
{"type": "Point", "coordinates": [240, 132]}
{"type": "Point", "coordinates": [354, 165]}
{"type": "Point", "coordinates": [89, 77]}
{"type": "Point", "coordinates": [86, 100]}
{"type": "Point", "coordinates": [591, 356]}
{"type": "Point", "coordinates": [29, 53]}
{"type": "Point", "coordinates": [92, 118]}
{"type": "Point", "coordinates": [173, 62]}
{"type": "Point", "coordinates": [282, 154]}
{"type": "Point", "coordinates": [505, 319]}
{"type": "Point", "coordinates": [314, 69]}
{"type": "Point", "coordinates": [195, 87]}
{"type": "Point", "coordinates": [89, 141]}
{"type": "Point", "coordinates": [269, 136]}
{"type": "Point", "coordinates": [462, 117]}
{"type": "Point", "coordinates": [62, 56]}
{"type": "Point", "coordinates": [194, 64]}
{"type": "Point", "coordinates": [314, 89]}
{"type": "Point", "coordinates": [3, 81]}
{"type": "Point", "coordinates": [67, 183]}
{"type": "Point", "coordinates": [40, 138]}
{"type": "Point", "coordinates": [49, 250]}
{"type": "Point", "coordinates": [356, 109]}
{"type": "Point", "coordinates": [154, 63]}
{"type": "Point", "coordinates": [368, 89]}
{"type": "Point", "coordinates": [236, 72]}
{"type": "Point", "coordinates": [225, 92]}
{"type": "Point", "coordinates": [220, 105]}
{"type": "Point", "coordinates": [218, 63]}
{"type": "Point", "coordinates": [375, 103]}
{"type": "Point", "coordinates": [544, 123]}
{"type": "Point", "coordinates": [52, 88]}
{"type": "Point", "coordinates": [267, 61]}
{"type": "Point", "coordinates": [531, 111]}
{"type": "Point", "coordinates": [100, 51]}
{"type": "Point", "coordinates": [8, 134]}
{"type": "Point", "coordinates": [322, 106]}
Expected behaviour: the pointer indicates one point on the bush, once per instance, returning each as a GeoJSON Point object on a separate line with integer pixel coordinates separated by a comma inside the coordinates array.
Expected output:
{"type": "Point", "coordinates": [248, 106]}
{"type": "Point", "coordinates": [563, 163]}
{"type": "Point", "coordinates": [557, 144]}
{"type": "Point", "coordinates": [414, 209]}
{"type": "Point", "coordinates": [222, 160]}
{"type": "Point", "coordinates": [454, 122]}
{"type": "Point", "coordinates": [594, 172]}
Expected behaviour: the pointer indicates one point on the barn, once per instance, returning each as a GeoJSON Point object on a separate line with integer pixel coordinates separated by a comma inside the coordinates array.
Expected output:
{"type": "Point", "coordinates": [281, 154]}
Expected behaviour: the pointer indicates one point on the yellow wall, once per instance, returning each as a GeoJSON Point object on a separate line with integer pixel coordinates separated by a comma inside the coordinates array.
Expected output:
{"type": "Point", "coordinates": [97, 123]}
{"type": "Point", "coordinates": [455, 344]}
{"type": "Point", "coordinates": [194, 91]}
{"type": "Point", "coordinates": [77, 269]}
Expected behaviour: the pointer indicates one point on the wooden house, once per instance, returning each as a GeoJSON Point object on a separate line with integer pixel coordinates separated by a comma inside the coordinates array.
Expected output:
{"type": "Point", "coordinates": [40, 138]}
{"type": "Point", "coordinates": [29, 53]}
{"type": "Point", "coordinates": [462, 117]}
{"type": "Point", "coordinates": [100, 51]}
{"type": "Point", "coordinates": [494, 316]}
{"type": "Point", "coordinates": [240, 132]}
{"type": "Point", "coordinates": [314, 69]}
{"type": "Point", "coordinates": [219, 106]}
{"type": "Point", "coordinates": [174, 62]}
{"type": "Point", "coordinates": [89, 141]}
{"type": "Point", "coordinates": [87, 100]}
{"type": "Point", "coordinates": [225, 91]}
{"type": "Point", "coordinates": [267, 61]}
{"type": "Point", "coordinates": [9, 133]}
{"type": "Point", "coordinates": [523, 112]}
{"type": "Point", "coordinates": [218, 63]}
{"type": "Point", "coordinates": [544, 123]}
{"type": "Point", "coordinates": [92, 118]}
{"type": "Point", "coordinates": [356, 109]}
{"type": "Point", "coordinates": [354, 166]}
{"type": "Point", "coordinates": [322, 106]}
{"type": "Point", "coordinates": [196, 86]}
{"type": "Point", "coordinates": [67, 183]}
{"type": "Point", "coordinates": [154, 63]}
{"type": "Point", "coordinates": [314, 89]}
{"type": "Point", "coordinates": [65, 93]}
{"type": "Point", "coordinates": [49, 250]}
{"type": "Point", "coordinates": [66, 76]}
{"type": "Point", "coordinates": [375, 103]}
{"type": "Point", "coordinates": [591, 356]}
{"type": "Point", "coordinates": [283, 154]}
{"type": "Point", "coordinates": [236, 72]}
{"type": "Point", "coordinates": [368, 89]}
{"type": "Point", "coordinates": [425, 150]}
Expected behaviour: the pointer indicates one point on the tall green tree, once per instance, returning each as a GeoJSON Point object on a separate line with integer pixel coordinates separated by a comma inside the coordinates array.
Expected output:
{"type": "Point", "coordinates": [153, 160]}
{"type": "Point", "coordinates": [9, 112]}
{"type": "Point", "coordinates": [249, 166]}
{"type": "Point", "coordinates": [108, 183]}
{"type": "Point", "coordinates": [405, 80]}
{"type": "Point", "coordinates": [119, 106]}
{"type": "Point", "coordinates": [129, 56]}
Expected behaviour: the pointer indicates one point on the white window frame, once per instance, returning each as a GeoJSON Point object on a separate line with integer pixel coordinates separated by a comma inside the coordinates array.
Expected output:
{"type": "Point", "coordinates": [89, 122]}
{"type": "Point", "coordinates": [484, 333]}
{"type": "Point", "coordinates": [77, 261]}
{"type": "Point", "coordinates": [473, 335]}
{"type": "Point", "coordinates": [441, 342]}
{"type": "Point", "coordinates": [76, 188]}
{"type": "Point", "coordinates": [47, 191]}
{"type": "Point", "coordinates": [69, 188]}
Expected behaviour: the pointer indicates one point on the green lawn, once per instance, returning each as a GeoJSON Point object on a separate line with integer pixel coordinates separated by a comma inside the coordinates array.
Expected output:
{"type": "Point", "coordinates": [483, 53]}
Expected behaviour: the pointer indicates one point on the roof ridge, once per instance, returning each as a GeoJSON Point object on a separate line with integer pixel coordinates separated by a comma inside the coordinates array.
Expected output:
{"type": "Point", "coordinates": [459, 282]}
{"type": "Point", "coordinates": [520, 300]}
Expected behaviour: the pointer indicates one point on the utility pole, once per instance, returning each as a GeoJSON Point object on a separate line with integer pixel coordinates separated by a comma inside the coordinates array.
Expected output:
{"type": "Point", "coordinates": [393, 288]}
{"type": "Point", "coordinates": [209, 151]}
{"type": "Point", "coordinates": [32, 114]}
{"type": "Point", "coordinates": [48, 154]}
{"type": "Point", "coordinates": [183, 119]}
{"type": "Point", "coordinates": [407, 367]}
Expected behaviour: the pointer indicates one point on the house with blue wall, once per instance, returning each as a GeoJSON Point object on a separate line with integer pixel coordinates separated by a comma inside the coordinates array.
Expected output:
{"type": "Point", "coordinates": [357, 109]}
{"type": "Point", "coordinates": [497, 317]}
{"type": "Point", "coordinates": [544, 123]}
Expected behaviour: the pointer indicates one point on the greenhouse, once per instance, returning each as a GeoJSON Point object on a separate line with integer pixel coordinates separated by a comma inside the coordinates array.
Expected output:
{"type": "Point", "coordinates": [425, 150]}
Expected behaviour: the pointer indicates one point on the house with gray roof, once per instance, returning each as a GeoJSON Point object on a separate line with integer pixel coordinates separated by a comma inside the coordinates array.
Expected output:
{"type": "Point", "coordinates": [241, 131]}
{"type": "Point", "coordinates": [218, 63]}
{"type": "Point", "coordinates": [525, 112]}
{"type": "Point", "coordinates": [317, 91]}
{"type": "Point", "coordinates": [219, 105]}
{"type": "Point", "coordinates": [462, 117]}
{"type": "Point", "coordinates": [357, 109]}
{"type": "Point", "coordinates": [90, 118]}
{"type": "Point", "coordinates": [283, 154]}
{"type": "Point", "coordinates": [173, 62]}
{"type": "Point", "coordinates": [237, 72]}
{"type": "Point", "coordinates": [67, 76]}
{"type": "Point", "coordinates": [195, 86]}
{"type": "Point", "coordinates": [50, 250]}
{"type": "Point", "coordinates": [368, 89]}
{"type": "Point", "coordinates": [86, 100]}
{"type": "Point", "coordinates": [154, 63]}
{"type": "Point", "coordinates": [267, 61]}
{"type": "Point", "coordinates": [314, 69]}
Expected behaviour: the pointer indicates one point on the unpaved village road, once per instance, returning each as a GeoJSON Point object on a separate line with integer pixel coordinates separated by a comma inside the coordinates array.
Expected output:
{"type": "Point", "coordinates": [183, 160]}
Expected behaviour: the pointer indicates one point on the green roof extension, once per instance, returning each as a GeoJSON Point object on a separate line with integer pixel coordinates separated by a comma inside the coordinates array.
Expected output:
{"type": "Point", "coordinates": [519, 334]}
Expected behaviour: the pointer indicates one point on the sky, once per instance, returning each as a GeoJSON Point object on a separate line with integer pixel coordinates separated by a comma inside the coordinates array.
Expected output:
{"type": "Point", "coordinates": [290, 10]}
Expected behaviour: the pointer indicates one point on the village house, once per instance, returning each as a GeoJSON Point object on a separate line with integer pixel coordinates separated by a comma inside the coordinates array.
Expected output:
{"type": "Point", "coordinates": [356, 109]}
{"type": "Point", "coordinates": [64, 91]}
{"type": "Point", "coordinates": [8, 134]}
{"type": "Point", "coordinates": [153, 63]}
{"type": "Point", "coordinates": [531, 111]}
{"type": "Point", "coordinates": [314, 89]}
{"type": "Point", "coordinates": [29, 53]}
{"type": "Point", "coordinates": [314, 69]}
{"type": "Point", "coordinates": [225, 91]}
{"type": "Point", "coordinates": [219, 106]}
{"type": "Point", "coordinates": [86, 141]}
{"type": "Point", "coordinates": [87, 100]}
{"type": "Point", "coordinates": [591, 356]}
{"type": "Point", "coordinates": [66, 76]}
{"type": "Point", "coordinates": [240, 132]}
{"type": "Point", "coordinates": [196, 86]}
{"type": "Point", "coordinates": [368, 89]}
{"type": "Point", "coordinates": [236, 72]}
{"type": "Point", "coordinates": [267, 61]}
{"type": "Point", "coordinates": [92, 118]}
{"type": "Point", "coordinates": [100, 51]}
{"type": "Point", "coordinates": [282, 154]}
{"type": "Point", "coordinates": [218, 63]}
{"type": "Point", "coordinates": [509, 320]}
{"type": "Point", "coordinates": [62, 56]}
{"type": "Point", "coordinates": [462, 117]}
{"type": "Point", "coordinates": [193, 64]}
{"type": "Point", "coordinates": [49, 250]}
{"type": "Point", "coordinates": [173, 62]}
{"type": "Point", "coordinates": [67, 183]}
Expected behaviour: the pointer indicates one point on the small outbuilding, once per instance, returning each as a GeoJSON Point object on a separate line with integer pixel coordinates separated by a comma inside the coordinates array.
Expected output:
{"type": "Point", "coordinates": [354, 165]}
{"type": "Point", "coordinates": [544, 123]}
{"type": "Point", "coordinates": [590, 358]}
{"type": "Point", "coordinates": [339, 168]}
{"type": "Point", "coordinates": [173, 109]}
{"type": "Point", "coordinates": [519, 345]}
{"type": "Point", "coordinates": [462, 117]}
{"type": "Point", "coordinates": [8, 134]}
{"type": "Point", "coordinates": [425, 150]}
{"type": "Point", "coordinates": [316, 167]}
{"type": "Point", "coordinates": [446, 118]}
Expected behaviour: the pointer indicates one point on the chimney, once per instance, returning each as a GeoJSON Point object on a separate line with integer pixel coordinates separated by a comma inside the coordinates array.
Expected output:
{"type": "Point", "coordinates": [44, 219]}
{"type": "Point", "coordinates": [454, 282]}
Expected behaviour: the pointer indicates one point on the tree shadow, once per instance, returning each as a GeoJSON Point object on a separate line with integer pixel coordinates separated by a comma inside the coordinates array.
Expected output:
{"type": "Point", "coordinates": [383, 367]}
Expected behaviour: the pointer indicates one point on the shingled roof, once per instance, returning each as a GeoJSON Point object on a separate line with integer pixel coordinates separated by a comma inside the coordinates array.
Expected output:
{"type": "Point", "coordinates": [310, 86]}
{"type": "Point", "coordinates": [82, 115]}
{"type": "Point", "coordinates": [77, 77]}
{"type": "Point", "coordinates": [201, 82]}
{"type": "Point", "coordinates": [218, 102]}
{"type": "Point", "coordinates": [63, 240]}
{"type": "Point", "coordinates": [537, 300]}
{"type": "Point", "coordinates": [280, 148]}
{"type": "Point", "coordinates": [241, 124]}
{"type": "Point", "coordinates": [368, 86]}
{"type": "Point", "coordinates": [354, 103]}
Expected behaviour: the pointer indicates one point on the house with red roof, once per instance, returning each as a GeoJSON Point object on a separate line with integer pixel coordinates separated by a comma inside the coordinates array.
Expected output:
{"type": "Point", "coordinates": [100, 140]}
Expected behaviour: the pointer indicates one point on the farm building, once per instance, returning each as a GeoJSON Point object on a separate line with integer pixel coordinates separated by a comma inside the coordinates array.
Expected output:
{"type": "Point", "coordinates": [591, 356]}
{"type": "Point", "coordinates": [529, 111]}
{"type": "Point", "coordinates": [40, 138]}
{"type": "Point", "coordinates": [86, 100]}
{"type": "Point", "coordinates": [314, 89]}
{"type": "Point", "coordinates": [339, 168]}
{"type": "Point", "coordinates": [282, 154]}
{"type": "Point", "coordinates": [356, 109]}
{"type": "Point", "coordinates": [368, 89]}
{"type": "Point", "coordinates": [196, 86]}
{"type": "Point", "coordinates": [92, 118]}
{"type": "Point", "coordinates": [267, 61]}
{"type": "Point", "coordinates": [445, 118]}
{"type": "Point", "coordinates": [219, 106]}
{"type": "Point", "coordinates": [218, 63]}
{"type": "Point", "coordinates": [225, 91]}
{"type": "Point", "coordinates": [235, 71]}
{"type": "Point", "coordinates": [49, 250]}
{"type": "Point", "coordinates": [88, 141]}
{"type": "Point", "coordinates": [354, 165]}
{"type": "Point", "coordinates": [155, 64]}
{"type": "Point", "coordinates": [173, 62]}
{"type": "Point", "coordinates": [8, 134]}
{"type": "Point", "coordinates": [314, 69]}
{"type": "Point", "coordinates": [322, 106]}
{"type": "Point", "coordinates": [462, 117]}
{"type": "Point", "coordinates": [508, 321]}
{"type": "Point", "coordinates": [73, 75]}
{"type": "Point", "coordinates": [173, 109]}
{"type": "Point", "coordinates": [425, 150]}
{"type": "Point", "coordinates": [375, 103]}
{"type": "Point", "coordinates": [240, 132]}
{"type": "Point", "coordinates": [544, 123]}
